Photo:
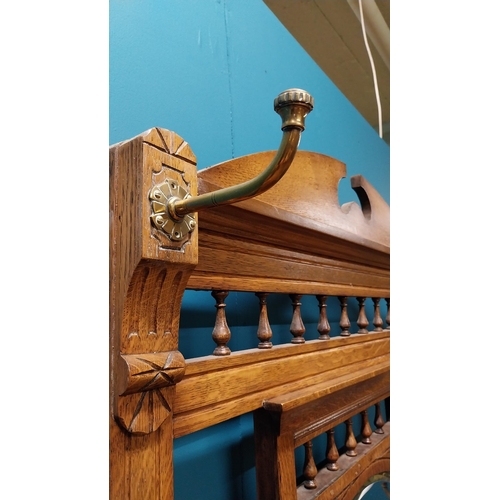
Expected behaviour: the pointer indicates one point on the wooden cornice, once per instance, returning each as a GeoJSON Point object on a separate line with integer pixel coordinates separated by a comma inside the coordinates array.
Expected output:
{"type": "Point", "coordinates": [296, 236]}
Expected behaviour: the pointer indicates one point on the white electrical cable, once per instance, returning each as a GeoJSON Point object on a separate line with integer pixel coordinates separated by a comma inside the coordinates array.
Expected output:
{"type": "Point", "coordinates": [375, 82]}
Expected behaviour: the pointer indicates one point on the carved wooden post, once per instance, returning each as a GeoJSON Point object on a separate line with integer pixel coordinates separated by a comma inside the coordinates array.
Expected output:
{"type": "Point", "coordinates": [310, 469]}
{"type": "Point", "coordinates": [366, 431]}
{"type": "Point", "coordinates": [264, 332]}
{"type": "Point", "coordinates": [323, 325]}
{"type": "Point", "coordinates": [377, 319]}
{"type": "Point", "coordinates": [150, 263]}
{"type": "Point", "coordinates": [332, 454]}
{"type": "Point", "coordinates": [379, 420]}
{"type": "Point", "coordinates": [344, 323]}
{"type": "Point", "coordinates": [350, 442]}
{"type": "Point", "coordinates": [221, 333]}
{"type": "Point", "coordinates": [362, 319]}
{"type": "Point", "coordinates": [297, 327]}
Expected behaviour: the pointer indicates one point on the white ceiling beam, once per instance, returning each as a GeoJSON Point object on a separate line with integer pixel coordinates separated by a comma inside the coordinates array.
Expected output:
{"type": "Point", "coordinates": [376, 27]}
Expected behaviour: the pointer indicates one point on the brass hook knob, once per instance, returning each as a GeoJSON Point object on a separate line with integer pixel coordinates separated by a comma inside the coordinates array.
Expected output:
{"type": "Point", "coordinates": [293, 105]}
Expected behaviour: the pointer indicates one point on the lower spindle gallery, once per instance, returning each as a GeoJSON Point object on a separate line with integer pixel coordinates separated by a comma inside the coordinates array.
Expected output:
{"type": "Point", "coordinates": [349, 448]}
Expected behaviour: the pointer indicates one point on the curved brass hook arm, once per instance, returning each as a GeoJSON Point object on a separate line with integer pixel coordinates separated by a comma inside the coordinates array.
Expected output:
{"type": "Point", "coordinates": [292, 105]}
{"type": "Point", "coordinates": [265, 180]}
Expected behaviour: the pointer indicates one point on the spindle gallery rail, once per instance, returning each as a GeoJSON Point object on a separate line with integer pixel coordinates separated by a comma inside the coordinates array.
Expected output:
{"type": "Point", "coordinates": [293, 239]}
{"type": "Point", "coordinates": [345, 466]}
{"type": "Point", "coordinates": [221, 333]}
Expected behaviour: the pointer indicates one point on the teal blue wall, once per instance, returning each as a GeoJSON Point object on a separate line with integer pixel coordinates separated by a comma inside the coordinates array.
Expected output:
{"type": "Point", "coordinates": [209, 70]}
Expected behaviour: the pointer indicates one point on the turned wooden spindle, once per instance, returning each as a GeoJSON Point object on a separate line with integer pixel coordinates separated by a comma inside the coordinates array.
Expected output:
{"type": "Point", "coordinates": [377, 319]}
{"type": "Point", "coordinates": [332, 454]}
{"type": "Point", "coordinates": [387, 318]}
{"type": "Point", "coordinates": [350, 442]}
{"type": "Point", "coordinates": [379, 420]}
{"type": "Point", "coordinates": [323, 325]}
{"type": "Point", "coordinates": [366, 431]}
{"type": "Point", "coordinates": [310, 469]}
{"type": "Point", "coordinates": [264, 332]}
{"type": "Point", "coordinates": [221, 333]}
{"type": "Point", "coordinates": [297, 328]}
{"type": "Point", "coordinates": [344, 322]}
{"type": "Point", "coordinates": [362, 319]}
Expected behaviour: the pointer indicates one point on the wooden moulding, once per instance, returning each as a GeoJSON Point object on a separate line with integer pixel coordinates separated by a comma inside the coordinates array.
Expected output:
{"type": "Point", "coordinates": [295, 237]}
{"type": "Point", "coordinates": [148, 275]}
{"type": "Point", "coordinates": [215, 389]}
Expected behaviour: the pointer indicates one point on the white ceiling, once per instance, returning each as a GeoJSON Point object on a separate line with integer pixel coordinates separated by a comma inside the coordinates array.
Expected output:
{"type": "Point", "coordinates": [331, 33]}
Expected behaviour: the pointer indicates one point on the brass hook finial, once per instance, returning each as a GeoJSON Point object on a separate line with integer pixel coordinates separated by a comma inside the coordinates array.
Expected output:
{"type": "Point", "coordinates": [292, 105]}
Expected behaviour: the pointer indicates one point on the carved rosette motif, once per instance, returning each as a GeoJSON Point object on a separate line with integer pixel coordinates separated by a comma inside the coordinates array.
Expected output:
{"type": "Point", "coordinates": [146, 372]}
{"type": "Point", "coordinates": [145, 378]}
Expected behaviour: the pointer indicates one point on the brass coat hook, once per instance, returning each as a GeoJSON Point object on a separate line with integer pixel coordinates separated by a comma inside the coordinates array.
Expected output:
{"type": "Point", "coordinates": [172, 205]}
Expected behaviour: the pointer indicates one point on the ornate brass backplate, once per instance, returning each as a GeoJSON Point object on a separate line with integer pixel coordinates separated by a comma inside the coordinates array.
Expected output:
{"type": "Point", "coordinates": [162, 197]}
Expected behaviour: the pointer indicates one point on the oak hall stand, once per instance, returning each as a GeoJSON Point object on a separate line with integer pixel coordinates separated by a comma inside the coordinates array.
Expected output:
{"type": "Point", "coordinates": [265, 223]}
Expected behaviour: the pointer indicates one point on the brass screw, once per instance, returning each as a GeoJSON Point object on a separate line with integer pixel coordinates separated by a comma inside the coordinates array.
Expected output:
{"type": "Point", "coordinates": [159, 220]}
{"type": "Point", "coordinates": [192, 224]}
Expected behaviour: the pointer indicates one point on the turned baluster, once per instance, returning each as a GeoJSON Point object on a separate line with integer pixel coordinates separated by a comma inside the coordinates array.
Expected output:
{"type": "Point", "coordinates": [379, 420]}
{"type": "Point", "coordinates": [387, 318]}
{"type": "Point", "coordinates": [221, 333]}
{"type": "Point", "coordinates": [366, 431]}
{"type": "Point", "coordinates": [344, 322]}
{"type": "Point", "coordinates": [310, 470]}
{"type": "Point", "coordinates": [362, 319]}
{"type": "Point", "coordinates": [297, 328]}
{"type": "Point", "coordinates": [264, 332]}
{"type": "Point", "coordinates": [350, 442]}
{"type": "Point", "coordinates": [377, 319]}
{"type": "Point", "coordinates": [332, 454]}
{"type": "Point", "coordinates": [323, 325]}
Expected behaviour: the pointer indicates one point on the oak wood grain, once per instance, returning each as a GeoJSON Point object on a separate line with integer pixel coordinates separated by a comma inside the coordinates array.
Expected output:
{"type": "Point", "coordinates": [309, 191]}
{"type": "Point", "coordinates": [209, 396]}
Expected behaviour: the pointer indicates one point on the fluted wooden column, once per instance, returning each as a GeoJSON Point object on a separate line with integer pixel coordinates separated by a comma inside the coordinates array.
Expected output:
{"type": "Point", "coordinates": [379, 420]}
{"type": "Point", "coordinates": [351, 442]}
{"type": "Point", "coordinates": [366, 431]}
{"type": "Point", "coordinates": [297, 328]}
{"type": "Point", "coordinates": [221, 333]}
{"type": "Point", "coordinates": [377, 319]}
{"type": "Point", "coordinates": [310, 469]}
{"type": "Point", "coordinates": [323, 325]}
{"type": "Point", "coordinates": [362, 319]}
{"type": "Point", "coordinates": [332, 454]}
{"type": "Point", "coordinates": [264, 332]}
{"type": "Point", "coordinates": [344, 323]}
